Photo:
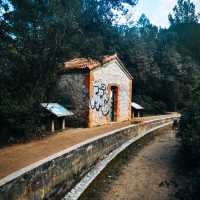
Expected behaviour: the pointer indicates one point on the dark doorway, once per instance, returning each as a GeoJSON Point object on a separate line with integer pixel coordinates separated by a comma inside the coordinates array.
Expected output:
{"type": "Point", "coordinates": [113, 109]}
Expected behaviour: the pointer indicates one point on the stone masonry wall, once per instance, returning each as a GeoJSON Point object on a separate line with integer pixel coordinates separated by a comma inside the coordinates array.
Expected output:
{"type": "Point", "coordinates": [75, 87]}
{"type": "Point", "coordinates": [60, 172]}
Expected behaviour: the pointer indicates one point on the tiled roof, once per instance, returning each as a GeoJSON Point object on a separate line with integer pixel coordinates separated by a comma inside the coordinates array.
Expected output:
{"type": "Point", "coordinates": [83, 63]}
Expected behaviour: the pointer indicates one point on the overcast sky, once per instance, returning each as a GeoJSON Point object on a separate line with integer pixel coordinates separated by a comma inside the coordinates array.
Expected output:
{"type": "Point", "coordinates": [156, 10]}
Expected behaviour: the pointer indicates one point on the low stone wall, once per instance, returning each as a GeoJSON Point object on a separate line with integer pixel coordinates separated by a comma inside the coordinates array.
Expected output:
{"type": "Point", "coordinates": [60, 172]}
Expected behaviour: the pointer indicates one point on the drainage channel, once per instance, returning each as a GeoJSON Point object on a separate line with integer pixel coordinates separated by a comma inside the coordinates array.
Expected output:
{"type": "Point", "coordinates": [80, 191]}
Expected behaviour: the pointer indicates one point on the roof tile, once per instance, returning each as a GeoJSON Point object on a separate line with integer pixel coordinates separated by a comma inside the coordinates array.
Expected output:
{"type": "Point", "coordinates": [83, 63]}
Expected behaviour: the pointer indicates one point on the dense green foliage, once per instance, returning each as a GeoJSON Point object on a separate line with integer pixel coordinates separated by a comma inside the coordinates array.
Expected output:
{"type": "Point", "coordinates": [189, 133]}
{"type": "Point", "coordinates": [184, 12]}
{"type": "Point", "coordinates": [37, 36]}
{"type": "Point", "coordinates": [190, 129]}
{"type": "Point", "coordinates": [185, 24]}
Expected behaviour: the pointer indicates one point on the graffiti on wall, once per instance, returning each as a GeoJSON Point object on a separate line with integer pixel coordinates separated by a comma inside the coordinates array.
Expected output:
{"type": "Point", "coordinates": [100, 100]}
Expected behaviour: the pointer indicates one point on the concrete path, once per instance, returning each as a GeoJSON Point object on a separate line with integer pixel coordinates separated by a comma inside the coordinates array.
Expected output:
{"type": "Point", "coordinates": [148, 175]}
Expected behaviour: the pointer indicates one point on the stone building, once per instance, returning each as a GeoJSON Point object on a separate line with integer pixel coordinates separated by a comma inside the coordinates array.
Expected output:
{"type": "Point", "coordinates": [100, 92]}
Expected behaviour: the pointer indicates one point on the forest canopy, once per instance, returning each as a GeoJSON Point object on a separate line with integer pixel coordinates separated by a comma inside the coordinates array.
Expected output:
{"type": "Point", "coordinates": [37, 35]}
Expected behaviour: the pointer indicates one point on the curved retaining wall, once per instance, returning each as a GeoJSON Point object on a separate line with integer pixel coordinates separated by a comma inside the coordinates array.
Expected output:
{"type": "Point", "coordinates": [60, 172]}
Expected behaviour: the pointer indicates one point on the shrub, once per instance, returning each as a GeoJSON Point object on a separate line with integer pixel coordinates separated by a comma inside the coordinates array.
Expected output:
{"type": "Point", "coordinates": [190, 133]}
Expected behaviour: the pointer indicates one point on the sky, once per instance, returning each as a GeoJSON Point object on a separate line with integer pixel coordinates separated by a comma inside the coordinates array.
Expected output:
{"type": "Point", "coordinates": [156, 10]}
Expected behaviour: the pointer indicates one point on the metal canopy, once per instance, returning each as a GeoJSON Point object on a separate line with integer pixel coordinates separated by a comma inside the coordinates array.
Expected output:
{"type": "Point", "coordinates": [136, 106]}
{"type": "Point", "coordinates": [57, 109]}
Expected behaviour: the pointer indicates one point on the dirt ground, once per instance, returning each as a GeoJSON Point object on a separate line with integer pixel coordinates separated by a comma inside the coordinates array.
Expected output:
{"type": "Point", "coordinates": [17, 156]}
{"type": "Point", "coordinates": [146, 174]}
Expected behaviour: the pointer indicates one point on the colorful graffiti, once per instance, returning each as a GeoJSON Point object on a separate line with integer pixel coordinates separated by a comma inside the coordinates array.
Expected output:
{"type": "Point", "coordinates": [100, 99]}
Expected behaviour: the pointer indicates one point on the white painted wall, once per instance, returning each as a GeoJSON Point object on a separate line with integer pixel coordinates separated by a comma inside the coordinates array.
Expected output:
{"type": "Point", "coordinates": [111, 73]}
